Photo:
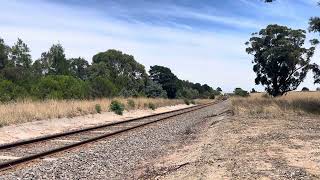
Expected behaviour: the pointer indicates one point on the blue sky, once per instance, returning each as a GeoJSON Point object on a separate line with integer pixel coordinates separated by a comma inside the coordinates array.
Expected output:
{"type": "Point", "coordinates": [201, 41]}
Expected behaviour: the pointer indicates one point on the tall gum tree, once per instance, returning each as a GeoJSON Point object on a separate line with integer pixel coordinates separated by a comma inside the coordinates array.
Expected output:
{"type": "Point", "coordinates": [280, 61]}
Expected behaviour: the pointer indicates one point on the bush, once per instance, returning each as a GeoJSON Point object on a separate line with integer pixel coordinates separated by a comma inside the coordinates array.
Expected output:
{"type": "Point", "coordinates": [241, 92]}
{"type": "Point", "coordinates": [59, 87]}
{"type": "Point", "coordinates": [212, 96]}
{"type": "Point", "coordinates": [98, 108]}
{"type": "Point", "coordinates": [154, 90]}
{"type": "Point", "coordinates": [116, 107]}
{"type": "Point", "coordinates": [131, 104]}
{"type": "Point", "coordinates": [151, 106]}
{"type": "Point", "coordinates": [188, 93]}
{"type": "Point", "coordinates": [192, 102]}
{"type": "Point", "coordinates": [186, 101]}
{"type": "Point", "coordinates": [101, 87]}
{"type": "Point", "coordinates": [10, 91]}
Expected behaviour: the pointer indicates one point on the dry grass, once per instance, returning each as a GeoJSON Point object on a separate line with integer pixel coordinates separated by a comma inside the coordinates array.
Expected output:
{"type": "Point", "coordinates": [294, 103]}
{"type": "Point", "coordinates": [25, 111]}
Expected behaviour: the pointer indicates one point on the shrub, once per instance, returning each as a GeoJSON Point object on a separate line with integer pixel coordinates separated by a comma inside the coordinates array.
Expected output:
{"type": "Point", "coordinates": [188, 93]}
{"type": "Point", "coordinates": [116, 107]}
{"type": "Point", "coordinates": [154, 90]}
{"type": "Point", "coordinates": [192, 102]}
{"type": "Point", "coordinates": [212, 96]}
{"type": "Point", "coordinates": [131, 104]}
{"type": "Point", "coordinates": [305, 89]}
{"type": "Point", "coordinates": [10, 91]}
{"type": "Point", "coordinates": [186, 101]}
{"type": "Point", "coordinates": [101, 87]}
{"type": "Point", "coordinates": [240, 92]}
{"type": "Point", "coordinates": [59, 87]}
{"type": "Point", "coordinates": [151, 106]}
{"type": "Point", "coordinates": [98, 108]}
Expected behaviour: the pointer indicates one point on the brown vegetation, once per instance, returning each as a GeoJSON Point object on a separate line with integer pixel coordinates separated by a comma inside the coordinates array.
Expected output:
{"type": "Point", "coordinates": [294, 103]}
{"type": "Point", "coordinates": [25, 111]}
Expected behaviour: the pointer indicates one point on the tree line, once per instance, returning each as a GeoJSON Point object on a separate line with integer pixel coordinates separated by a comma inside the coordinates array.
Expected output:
{"type": "Point", "coordinates": [111, 73]}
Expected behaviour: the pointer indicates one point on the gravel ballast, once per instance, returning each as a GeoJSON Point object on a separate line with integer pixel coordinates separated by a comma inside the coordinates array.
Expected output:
{"type": "Point", "coordinates": [122, 156]}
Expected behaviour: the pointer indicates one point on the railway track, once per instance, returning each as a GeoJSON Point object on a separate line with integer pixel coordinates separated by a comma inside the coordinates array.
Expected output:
{"type": "Point", "coordinates": [21, 152]}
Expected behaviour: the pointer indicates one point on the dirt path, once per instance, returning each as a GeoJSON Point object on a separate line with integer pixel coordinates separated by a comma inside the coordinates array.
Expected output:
{"type": "Point", "coordinates": [232, 147]}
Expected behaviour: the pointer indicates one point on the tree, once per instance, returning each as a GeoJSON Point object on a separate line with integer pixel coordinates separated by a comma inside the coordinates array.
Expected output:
{"type": "Point", "coordinates": [219, 89]}
{"type": "Point", "coordinates": [79, 68]}
{"type": "Point", "coordinates": [166, 78]}
{"type": "Point", "coordinates": [54, 61]}
{"type": "Point", "coordinates": [318, 89]}
{"type": "Point", "coordinates": [98, 70]}
{"type": "Point", "coordinates": [20, 55]}
{"type": "Point", "coordinates": [125, 72]}
{"type": "Point", "coordinates": [305, 89]}
{"type": "Point", "coordinates": [280, 60]}
{"type": "Point", "coordinates": [4, 53]}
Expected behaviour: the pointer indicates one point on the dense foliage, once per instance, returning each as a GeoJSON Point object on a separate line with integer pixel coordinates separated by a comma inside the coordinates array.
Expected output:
{"type": "Point", "coordinates": [112, 73]}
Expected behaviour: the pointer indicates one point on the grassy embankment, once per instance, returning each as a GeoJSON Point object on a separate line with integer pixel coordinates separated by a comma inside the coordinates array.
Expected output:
{"type": "Point", "coordinates": [294, 103]}
{"type": "Point", "coordinates": [25, 111]}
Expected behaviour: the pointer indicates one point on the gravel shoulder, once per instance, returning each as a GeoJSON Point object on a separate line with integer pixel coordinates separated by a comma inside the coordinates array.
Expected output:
{"type": "Point", "coordinates": [235, 147]}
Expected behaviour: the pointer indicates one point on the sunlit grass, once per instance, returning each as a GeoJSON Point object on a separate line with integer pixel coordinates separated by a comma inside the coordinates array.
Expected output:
{"type": "Point", "coordinates": [28, 110]}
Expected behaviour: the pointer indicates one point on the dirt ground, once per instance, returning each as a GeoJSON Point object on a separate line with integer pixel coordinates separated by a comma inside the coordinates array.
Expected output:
{"type": "Point", "coordinates": [51, 126]}
{"type": "Point", "coordinates": [240, 147]}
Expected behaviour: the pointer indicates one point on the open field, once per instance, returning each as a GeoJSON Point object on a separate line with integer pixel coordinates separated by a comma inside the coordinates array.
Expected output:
{"type": "Point", "coordinates": [25, 111]}
{"type": "Point", "coordinates": [294, 103]}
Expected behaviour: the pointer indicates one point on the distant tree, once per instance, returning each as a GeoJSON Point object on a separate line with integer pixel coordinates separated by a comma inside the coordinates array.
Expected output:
{"type": "Point", "coordinates": [253, 90]}
{"type": "Point", "coordinates": [79, 68]}
{"type": "Point", "coordinates": [4, 53]}
{"type": "Point", "coordinates": [240, 92]}
{"type": "Point", "coordinates": [99, 70]}
{"type": "Point", "coordinates": [54, 61]}
{"type": "Point", "coordinates": [318, 89]}
{"type": "Point", "coordinates": [280, 61]}
{"type": "Point", "coordinates": [154, 90]}
{"type": "Point", "coordinates": [166, 78]}
{"type": "Point", "coordinates": [305, 89]}
{"type": "Point", "coordinates": [219, 89]}
{"type": "Point", "coordinates": [20, 55]}
{"type": "Point", "coordinates": [125, 71]}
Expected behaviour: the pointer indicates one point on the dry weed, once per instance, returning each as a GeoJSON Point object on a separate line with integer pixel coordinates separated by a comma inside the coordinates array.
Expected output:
{"type": "Point", "coordinates": [258, 104]}
{"type": "Point", "coordinates": [28, 110]}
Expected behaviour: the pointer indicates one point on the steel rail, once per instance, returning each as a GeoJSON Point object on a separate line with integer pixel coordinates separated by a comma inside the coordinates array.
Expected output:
{"type": "Point", "coordinates": [25, 159]}
{"type": "Point", "coordinates": [57, 135]}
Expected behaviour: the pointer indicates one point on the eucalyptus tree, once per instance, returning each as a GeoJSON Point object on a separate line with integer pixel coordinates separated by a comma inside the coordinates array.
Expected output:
{"type": "Point", "coordinates": [281, 62]}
